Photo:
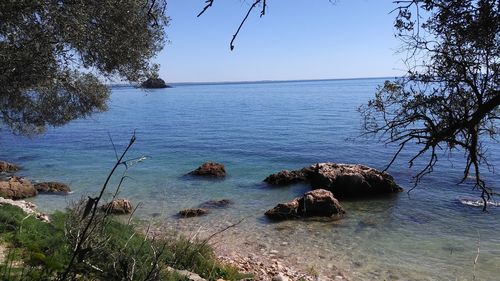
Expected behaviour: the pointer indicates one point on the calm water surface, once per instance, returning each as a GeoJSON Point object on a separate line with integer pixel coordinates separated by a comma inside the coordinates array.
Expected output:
{"type": "Point", "coordinates": [256, 129]}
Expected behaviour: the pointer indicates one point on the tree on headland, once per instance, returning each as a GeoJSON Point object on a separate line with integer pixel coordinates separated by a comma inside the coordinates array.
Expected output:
{"type": "Point", "coordinates": [449, 99]}
{"type": "Point", "coordinates": [55, 55]}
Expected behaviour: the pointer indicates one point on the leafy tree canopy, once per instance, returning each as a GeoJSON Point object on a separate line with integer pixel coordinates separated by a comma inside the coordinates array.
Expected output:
{"type": "Point", "coordinates": [54, 56]}
{"type": "Point", "coordinates": [449, 99]}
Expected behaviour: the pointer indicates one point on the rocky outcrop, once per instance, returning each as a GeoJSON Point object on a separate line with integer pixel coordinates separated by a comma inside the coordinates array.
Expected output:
{"type": "Point", "coordinates": [52, 187]}
{"type": "Point", "coordinates": [286, 177]}
{"type": "Point", "coordinates": [344, 180]}
{"type": "Point", "coordinates": [154, 83]}
{"type": "Point", "coordinates": [118, 207]}
{"type": "Point", "coordinates": [210, 169]}
{"type": "Point", "coordinates": [17, 188]}
{"type": "Point", "coordinates": [6, 167]}
{"type": "Point", "coordinates": [215, 204]}
{"type": "Point", "coordinates": [351, 180]}
{"type": "Point", "coordinates": [193, 212]}
{"type": "Point", "coordinates": [315, 203]}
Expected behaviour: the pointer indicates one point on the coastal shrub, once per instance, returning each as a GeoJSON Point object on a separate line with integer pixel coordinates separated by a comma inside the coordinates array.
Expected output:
{"type": "Point", "coordinates": [41, 251]}
{"type": "Point", "coordinates": [37, 250]}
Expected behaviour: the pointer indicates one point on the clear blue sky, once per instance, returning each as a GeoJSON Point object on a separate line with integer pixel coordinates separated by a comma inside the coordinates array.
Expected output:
{"type": "Point", "coordinates": [296, 39]}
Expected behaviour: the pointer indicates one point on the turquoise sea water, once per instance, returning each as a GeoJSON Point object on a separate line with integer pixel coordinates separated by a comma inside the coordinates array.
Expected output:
{"type": "Point", "coordinates": [256, 129]}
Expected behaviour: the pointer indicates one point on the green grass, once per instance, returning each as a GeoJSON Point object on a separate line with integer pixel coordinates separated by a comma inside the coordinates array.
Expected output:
{"type": "Point", "coordinates": [41, 251]}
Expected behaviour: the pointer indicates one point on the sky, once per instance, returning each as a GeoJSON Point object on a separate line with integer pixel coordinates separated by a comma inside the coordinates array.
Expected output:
{"type": "Point", "coordinates": [295, 40]}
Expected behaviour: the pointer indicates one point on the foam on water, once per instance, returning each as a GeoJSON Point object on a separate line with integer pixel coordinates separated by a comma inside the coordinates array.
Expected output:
{"type": "Point", "coordinates": [474, 202]}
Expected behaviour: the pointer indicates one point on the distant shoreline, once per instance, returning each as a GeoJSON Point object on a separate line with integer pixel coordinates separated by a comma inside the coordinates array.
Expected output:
{"type": "Point", "coordinates": [175, 84]}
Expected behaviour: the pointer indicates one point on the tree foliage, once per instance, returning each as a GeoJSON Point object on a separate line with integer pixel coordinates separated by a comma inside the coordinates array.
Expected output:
{"type": "Point", "coordinates": [54, 56]}
{"type": "Point", "coordinates": [449, 99]}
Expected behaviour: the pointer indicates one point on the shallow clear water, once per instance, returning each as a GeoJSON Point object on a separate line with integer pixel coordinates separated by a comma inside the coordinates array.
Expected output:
{"type": "Point", "coordinates": [256, 129]}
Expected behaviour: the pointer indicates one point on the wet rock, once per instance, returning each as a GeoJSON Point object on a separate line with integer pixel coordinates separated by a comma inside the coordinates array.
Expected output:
{"type": "Point", "coordinates": [351, 180]}
{"type": "Point", "coordinates": [286, 177]}
{"type": "Point", "coordinates": [154, 83]}
{"type": "Point", "coordinates": [210, 169]}
{"type": "Point", "coordinates": [118, 207]}
{"type": "Point", "coordinates": [214, 204]}
{"type": "Point", "coordinates": [6, 167]}
{"type": "Point", "coordinates": [52, 187]}
{"type": "Point", "coordinates": [192, 212]}
{"type": "Point", "coordinates": [315, 203]}
{"type": "Point", "coordinates": [17, 188]}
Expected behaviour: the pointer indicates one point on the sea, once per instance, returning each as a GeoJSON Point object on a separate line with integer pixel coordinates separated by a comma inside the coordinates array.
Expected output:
{"type": "Point", "coordinates": [436, 231]}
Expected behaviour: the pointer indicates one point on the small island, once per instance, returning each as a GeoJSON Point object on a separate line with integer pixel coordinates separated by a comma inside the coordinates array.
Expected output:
{"type": "Point", "coordinates": [154, 83]}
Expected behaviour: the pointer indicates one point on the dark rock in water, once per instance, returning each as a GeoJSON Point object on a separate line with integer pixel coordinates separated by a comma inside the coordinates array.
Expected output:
{"type": "Point", "coordinates": [52, 187]}
{"type": "Point", "coordinates": [351, 180]}
{"type": "Point", "coordinates": [118, 207]}
{"type": "Point", "coordinates": [17, 188]}
{"type": "Point", "coordinates": [154, 83]}
{"type": "Point", "coordinates": [6, 167]}
{"type": "Point", "coordinates": [188, 213]}
{"type": "Point", "coordinates": [286, 177]}
{"type": "Point", "coordinates": [213, 204]}
{"type": "Point", "coordinates": [315, 203]}
{"type": "Point", "coordinates": [210, 169]}
{"type": "Point", "coordinates": [344, 180]}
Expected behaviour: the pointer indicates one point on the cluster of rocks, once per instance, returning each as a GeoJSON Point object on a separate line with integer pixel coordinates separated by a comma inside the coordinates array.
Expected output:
{"type": "Point", "coordinates": [15, 187]}
{"type": "Point", "coordinates": [329, 181]}
{"type": "Point", "coordinates": [207, 170]}
{"type": "Point", "coordinates": [268, 267]}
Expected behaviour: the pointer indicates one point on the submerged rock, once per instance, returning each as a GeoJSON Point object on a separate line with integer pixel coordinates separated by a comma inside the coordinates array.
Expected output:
{"type": "Point", "coordinates": [315, 203]}
{"type": "Point", "coordinates": [351, 180]}
{"type": "Point", "coordinates": [17, 188]}
{"type": "Point", "coordinates": [286, 177]}
{"type": "Point", "coordinates": [210, 169]}
{"type": "Point", "coordinates": [154, 83]}
{"type": "Point", "coordinates": [6, 167]}
{"type": "Point", "coordinates": [118, 207]}
{"type": "Point", "coordinates": [193, 212]}
{"type": "Point", "coordinates": [52, 187]}
{"type": "Point", "coordinates": [212, 204]}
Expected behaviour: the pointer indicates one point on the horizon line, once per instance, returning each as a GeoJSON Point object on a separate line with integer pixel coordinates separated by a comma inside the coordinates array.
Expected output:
{"type": "Point", "coordinates": [261, 81]}
{"type": "Point", "coordinates": [279, 80]}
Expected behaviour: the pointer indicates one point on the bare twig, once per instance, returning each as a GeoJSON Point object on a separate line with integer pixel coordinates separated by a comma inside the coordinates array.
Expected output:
{"type": "Point", "coordinates": [93, 204]}
{"type": "Point", "coordinates": [209, 4]}
{"type": "Point", "coordinates": [231, 45]}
